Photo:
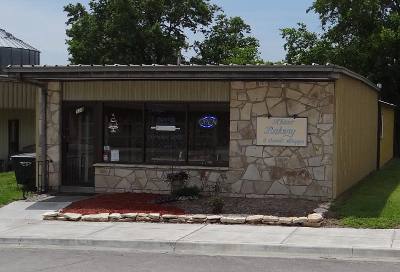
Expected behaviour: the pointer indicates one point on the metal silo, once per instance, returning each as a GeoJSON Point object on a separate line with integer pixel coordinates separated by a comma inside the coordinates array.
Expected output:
{"type": "Point", "coordinates": [14, 51]}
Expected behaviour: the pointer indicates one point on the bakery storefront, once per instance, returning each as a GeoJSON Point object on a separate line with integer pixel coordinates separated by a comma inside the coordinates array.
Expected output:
{"type": "Point", "coordinates": [284, 131]}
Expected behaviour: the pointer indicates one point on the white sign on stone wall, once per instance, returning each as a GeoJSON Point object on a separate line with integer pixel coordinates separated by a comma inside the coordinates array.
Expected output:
{"type": "Point", "coordinates": [282, 131]}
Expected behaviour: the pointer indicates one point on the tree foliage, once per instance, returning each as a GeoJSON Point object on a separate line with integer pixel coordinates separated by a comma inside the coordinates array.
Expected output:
{"type": "Point", "coordinates": [228, 41]}
{"type": "Point", "coordinates": [362, 35]}
{"type": "Point", "coordinates": [133, 31]}
{"type": "Point", "coordinates": [155, 31]}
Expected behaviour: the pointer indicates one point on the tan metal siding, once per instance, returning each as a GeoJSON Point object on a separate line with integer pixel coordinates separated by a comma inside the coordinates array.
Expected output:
{"type": "Point", "coordinates": [386, 142]}
{"type": "Point", "coordinates": [147, 90]}
{"type": "Point", "coordinates": [17, 95]}
{"type": "Point", "coordinates": [26, 128]}
{"type": "Point", "coordinates": [356, 128]}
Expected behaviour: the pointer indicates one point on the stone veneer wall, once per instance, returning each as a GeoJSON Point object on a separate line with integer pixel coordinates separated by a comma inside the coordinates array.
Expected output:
{"type": "Point", "coordinates": [290, 171]}
{"type": "Point", "coordinates": [152, 179]}
{"type": "Point", "coordinates": [254, 171]}
{"type": "Point", "coordinates": [54, 134]}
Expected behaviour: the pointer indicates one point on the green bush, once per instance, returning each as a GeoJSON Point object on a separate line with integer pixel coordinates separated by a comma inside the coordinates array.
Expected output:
{"type": "Point", "coordinates": [217, 204]}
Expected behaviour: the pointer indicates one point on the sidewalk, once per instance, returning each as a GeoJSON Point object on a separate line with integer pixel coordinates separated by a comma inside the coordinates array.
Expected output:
{"type": "Point", "coordinates": [240, 240]}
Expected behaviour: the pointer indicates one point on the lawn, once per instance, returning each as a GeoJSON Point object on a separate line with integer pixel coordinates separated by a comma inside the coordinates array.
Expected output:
{"type": "Point", "coordinates": [8, 188]}
{"type": "Point", "coordinates": [374, 202]}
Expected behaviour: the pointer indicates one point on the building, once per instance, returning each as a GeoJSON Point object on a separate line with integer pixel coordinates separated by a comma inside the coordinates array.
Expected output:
{"type": "Point", "coordinates": [17, 100]}
{"type": "Point", "coordinates": [297, 131]}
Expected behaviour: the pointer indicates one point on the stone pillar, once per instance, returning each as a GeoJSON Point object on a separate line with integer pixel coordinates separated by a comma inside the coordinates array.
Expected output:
{"type": "Point", "coordinates": [53, 135]}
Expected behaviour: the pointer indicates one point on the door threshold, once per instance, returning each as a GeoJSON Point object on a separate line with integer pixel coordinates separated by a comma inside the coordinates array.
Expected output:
{"type": "Point", "coordinates": [77, 189]}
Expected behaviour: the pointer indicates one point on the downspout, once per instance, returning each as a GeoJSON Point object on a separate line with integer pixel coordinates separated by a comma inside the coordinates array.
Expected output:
{"type": "Point", "coordinates": [378, 156]}
{"type": "Point", "coordinates": [43, 137]}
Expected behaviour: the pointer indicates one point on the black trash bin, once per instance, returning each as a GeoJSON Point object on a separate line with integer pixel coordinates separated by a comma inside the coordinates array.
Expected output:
{"type": "Point", "coordinates": [25, 170]}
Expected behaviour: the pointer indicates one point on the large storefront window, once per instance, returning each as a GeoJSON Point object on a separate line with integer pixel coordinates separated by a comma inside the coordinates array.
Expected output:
{"type": "Point", "coordinates": [123, 133]}
{"type": "Point", "coordinates": [166, 133]}
{"type": "Point", "coordinates": [208, 134]}
{"type": "Point", "coordinates": [159, 133]}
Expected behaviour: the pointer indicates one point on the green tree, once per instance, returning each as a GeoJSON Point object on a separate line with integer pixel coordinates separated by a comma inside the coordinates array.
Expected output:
{"type": "Point", "coordinates": [228, 41]}
{"type": "Point", "coordinates": [133, 31]}
{"type": "Point", "coordinates": [305, 47]}
{"type": "Point", "coordinates": [362, 35]}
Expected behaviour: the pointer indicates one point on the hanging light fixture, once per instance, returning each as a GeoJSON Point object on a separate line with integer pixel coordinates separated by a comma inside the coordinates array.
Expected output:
{"type": "Point", "coordinates": [113, 124]}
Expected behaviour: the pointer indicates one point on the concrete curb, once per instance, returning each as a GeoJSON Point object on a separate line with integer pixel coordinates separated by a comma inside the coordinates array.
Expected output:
{"type": "Point", "coordinates": [214, 249]}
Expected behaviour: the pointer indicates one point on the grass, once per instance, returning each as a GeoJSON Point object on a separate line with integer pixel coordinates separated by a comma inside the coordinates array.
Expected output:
{"type": "Point", "coordinates": [374, 202]}
{"type": "Point", "coordinates": [9, 190]}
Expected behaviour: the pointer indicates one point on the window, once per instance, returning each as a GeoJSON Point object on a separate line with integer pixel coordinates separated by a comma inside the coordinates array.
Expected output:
{"type": "Point", "coordinates": [166, 133]}
{"type": "Point", "coordinates": [208, 134]}
{"type": "Point", "coordinates": [123, 133]}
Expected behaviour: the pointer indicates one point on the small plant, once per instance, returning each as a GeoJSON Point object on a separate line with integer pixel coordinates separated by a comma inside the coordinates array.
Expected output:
{"type": "Point", "coordinates": [177, 180]}
{"type": "Point", "coordinates": [217, 204]}
{"type": "Point", "coordinates": [188, 191]}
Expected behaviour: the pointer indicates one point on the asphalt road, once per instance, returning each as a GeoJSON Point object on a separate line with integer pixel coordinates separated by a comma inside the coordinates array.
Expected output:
{"type": "Point", "coordinates": [57, 260]}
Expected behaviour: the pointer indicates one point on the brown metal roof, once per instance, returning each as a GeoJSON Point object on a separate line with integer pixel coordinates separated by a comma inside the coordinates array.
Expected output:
{"type": "Point", "coordinates": [183, 72]}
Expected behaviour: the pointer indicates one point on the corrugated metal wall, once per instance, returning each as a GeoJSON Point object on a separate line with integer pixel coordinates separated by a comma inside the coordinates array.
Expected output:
{"type": "Point", "coordinates": [356, 129]}
{"type": "Point", "coordinates": [386, 143]}
{"type": "Point", "coordinates": [26, 128]}
{"type": "Point", "coordinates": [17, 95]}
{"type": "Point", "coordinates": [147, 90]}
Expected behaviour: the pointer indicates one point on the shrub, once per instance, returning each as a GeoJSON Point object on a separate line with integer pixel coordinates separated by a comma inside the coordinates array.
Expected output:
{"type": "Point", "coordinates": [177, 180]}
{"type": "Point", "coordinates": [217, 204]}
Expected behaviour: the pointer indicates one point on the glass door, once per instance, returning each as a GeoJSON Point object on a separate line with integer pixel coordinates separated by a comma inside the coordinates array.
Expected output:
{"type": "Point", "coordinates": [78, 146]}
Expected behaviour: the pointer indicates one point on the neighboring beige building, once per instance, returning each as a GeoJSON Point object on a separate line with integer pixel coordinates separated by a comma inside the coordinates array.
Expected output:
{"type": "Point", "coordinates": [17, 100]}
{"type": "Point", "coordinates": [120, 128]}
{"type": "Point", "coordinates": [17, 120]}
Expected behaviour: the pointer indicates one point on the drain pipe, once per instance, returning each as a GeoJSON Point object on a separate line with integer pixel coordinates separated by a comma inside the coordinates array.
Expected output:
{"type": "Point", "coordinates": [43, 137]}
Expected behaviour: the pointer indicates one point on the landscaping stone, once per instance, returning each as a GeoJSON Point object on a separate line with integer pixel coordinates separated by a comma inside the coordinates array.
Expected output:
{"type": "Point", "coordinates": [285, 221]}
{"type": "Point", "coordinates": [212, 219]}
{"type": "Point", "coordinates": [101, 217]}
{"type": "Point", "coordinates": [233, 220]}
{"type": "Point", "coordinates": [115, 216]}
{"type": "Point", "coordinates": [182, 219]}
{"type": "Point", "coordinates": [254, 219]}
{"type": "Point", "coordinates": [50, 215]}
{"type": "Point", "coordinates": [271, 220]}
{"type": "Point", "coordinates": [129, 215]}
{"type": "Point", "coordinates": [154, 217]}
{"type": "Point", "coordinates": [299, 220]}
{"type": "Point", "coordinates": [314, 218]}
{"type": "Point", "coordinates": [198, 218]}
{"type": "Point", "coordinates": [72, 216]}
{"type": "Point", "coordinates": [143, 217]}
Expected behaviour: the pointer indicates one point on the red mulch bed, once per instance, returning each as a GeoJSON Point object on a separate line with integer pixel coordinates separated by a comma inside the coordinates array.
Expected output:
{"type": "Point", "coordinates": [122, 203]}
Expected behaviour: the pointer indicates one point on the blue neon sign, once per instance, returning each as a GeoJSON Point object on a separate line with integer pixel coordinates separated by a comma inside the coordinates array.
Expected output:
{"type": "Point", "coordinates": [208, 121]}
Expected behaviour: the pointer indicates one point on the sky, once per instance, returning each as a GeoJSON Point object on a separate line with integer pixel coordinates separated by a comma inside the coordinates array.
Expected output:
{"type": "Point", "coordinates": [41, 23]}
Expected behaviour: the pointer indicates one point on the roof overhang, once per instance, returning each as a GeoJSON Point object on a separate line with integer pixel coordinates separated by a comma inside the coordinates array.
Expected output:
{"type": "Point", "coordinates": [183, 72]}
{"type": "Point", "coordinates": [387, 104]}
